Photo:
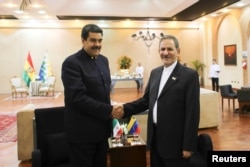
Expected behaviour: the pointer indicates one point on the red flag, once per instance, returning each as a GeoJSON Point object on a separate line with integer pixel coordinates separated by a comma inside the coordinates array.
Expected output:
{"type": "Point", "coordinates": [29, 71]}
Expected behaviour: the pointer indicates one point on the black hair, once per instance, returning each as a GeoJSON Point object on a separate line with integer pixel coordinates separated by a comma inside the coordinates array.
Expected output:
{"type": "Point", "coordinates": [90, 28]}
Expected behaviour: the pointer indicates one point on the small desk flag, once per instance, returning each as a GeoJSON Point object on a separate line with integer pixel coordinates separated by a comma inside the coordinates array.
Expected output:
{"type": "Point", "coordinates": [133, 126]}
{"type": "Point", "coordinates": [117, 130]}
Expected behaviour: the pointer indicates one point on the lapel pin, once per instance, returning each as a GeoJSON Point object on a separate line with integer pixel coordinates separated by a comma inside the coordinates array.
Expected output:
{"type": "Point", "coordinates": [173, 78]}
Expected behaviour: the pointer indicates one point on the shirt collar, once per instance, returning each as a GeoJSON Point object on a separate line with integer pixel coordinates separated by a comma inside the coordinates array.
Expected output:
{"type": "Point", "coordinates": [171, 68]}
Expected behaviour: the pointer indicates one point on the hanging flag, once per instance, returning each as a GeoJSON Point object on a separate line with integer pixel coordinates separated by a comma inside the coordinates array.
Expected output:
{"type": "Point", "coordinates": [117, 130]}
{"type": "Point", "coordinates": [45, 69]}
{"type": "Point", "coordinates": [29, 71]}
{"type": "Point", "coordinates": [133, 126]}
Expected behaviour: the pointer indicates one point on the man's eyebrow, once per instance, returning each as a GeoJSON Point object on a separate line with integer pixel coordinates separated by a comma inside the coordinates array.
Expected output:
{"type": "Point", "coordinates": [95, 38]}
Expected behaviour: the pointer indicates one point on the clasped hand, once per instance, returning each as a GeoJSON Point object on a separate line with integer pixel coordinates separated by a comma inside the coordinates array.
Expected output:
{"type": "Point", "coordinates": [117, 111]}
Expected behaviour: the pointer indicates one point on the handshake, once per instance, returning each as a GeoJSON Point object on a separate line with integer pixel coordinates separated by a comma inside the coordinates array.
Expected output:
{"type": "Point", "coordinates": [117, 111]}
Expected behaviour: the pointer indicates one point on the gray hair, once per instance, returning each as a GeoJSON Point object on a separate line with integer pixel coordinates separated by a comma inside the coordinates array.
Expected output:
{"type": "Point", "coordinates": [171, 37]}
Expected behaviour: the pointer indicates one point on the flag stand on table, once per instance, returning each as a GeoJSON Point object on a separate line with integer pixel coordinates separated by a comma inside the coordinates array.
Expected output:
{"type": "Point", "coordinates": [45, 70]}
{"type": "Point", "coordinates": [133, 126]}
{"type": "Point", "coordinates": [29, 71]}
{"type": "Point", "coordinates": [117, 130]}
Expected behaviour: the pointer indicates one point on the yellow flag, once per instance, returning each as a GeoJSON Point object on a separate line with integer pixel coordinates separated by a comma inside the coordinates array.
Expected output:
{"type": "Point", "coordinates": [131, 123]}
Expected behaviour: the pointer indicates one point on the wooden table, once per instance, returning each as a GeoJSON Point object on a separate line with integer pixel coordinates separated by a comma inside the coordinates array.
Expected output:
{"type": "Point", "coordinates": [128, 155]}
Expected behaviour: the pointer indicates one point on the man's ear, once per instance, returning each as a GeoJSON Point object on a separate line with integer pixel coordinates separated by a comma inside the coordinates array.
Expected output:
{"type": "Point", "coordinates": [83, 41]}
{"type": "Point", "coordinates": [178, 50]}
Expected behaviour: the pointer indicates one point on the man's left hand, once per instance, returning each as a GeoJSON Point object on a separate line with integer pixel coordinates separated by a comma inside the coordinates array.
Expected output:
{"type": "Point", "coordinates": [186, 154]}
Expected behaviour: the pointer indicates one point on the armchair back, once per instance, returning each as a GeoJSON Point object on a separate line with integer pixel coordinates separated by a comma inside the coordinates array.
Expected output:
{"type": "Point", "coordinates": [227, 91]}
{"type": "Point", "coordinates": [18, 87]}
{"type": "Point", "coordinates": [49, 138]}
{"type": "Point", "coordinates": [243, 95]}
{"type": "Point", "coordinates": [48, 86]}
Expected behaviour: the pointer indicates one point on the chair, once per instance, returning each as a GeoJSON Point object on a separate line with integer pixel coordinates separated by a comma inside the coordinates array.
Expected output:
{"type": "Point", "coordinates": [243, 98]}
{"type": "Point", "coordinates": [50, 147]}
{"type": "Point", "coordinates": [48, 87]}
{"type": "Point", "coordinates": [199, 157]}
{"type": "Point", "coordinates": [227, 93]}
{"type": "Point", "coordinates": [18, 87]}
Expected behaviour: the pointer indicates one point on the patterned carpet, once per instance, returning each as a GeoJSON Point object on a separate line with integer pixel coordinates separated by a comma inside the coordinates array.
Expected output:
{"type": "Point", "coordinates": [8, 128]}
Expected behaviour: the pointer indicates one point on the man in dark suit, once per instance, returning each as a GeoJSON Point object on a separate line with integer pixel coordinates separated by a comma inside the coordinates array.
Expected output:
{"type": "Point", "coordinates": [172, 97]}
{"type": "Point", "coordinates": [86, 80]}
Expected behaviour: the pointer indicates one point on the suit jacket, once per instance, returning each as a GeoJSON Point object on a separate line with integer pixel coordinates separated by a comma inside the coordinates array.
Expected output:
{"type": "Point", "coordinates": [177, 113]}
{"type": "Point", "coordinates": [87, 83]}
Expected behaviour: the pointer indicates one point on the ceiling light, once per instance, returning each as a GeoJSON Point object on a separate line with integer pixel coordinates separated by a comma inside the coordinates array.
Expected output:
{"type": "Point", "coordinates": [10, 5]}
{"type": "Point", "coordinates": [240, 4]}
{"type": "Point", "coordinates": [225, 10]}
{"type": "Point", "coordinates": [25, 4]}
{"type": "Point", "coordinates": [36, 5]}
{"type": "Point", "coordinates": [41, 12]}
{"type": "Point", "coordinates": [148, 37]}
{"type": "Point", "coordinates": [213, 15]}
{"type": "Point", "coordinates": [19, 11]}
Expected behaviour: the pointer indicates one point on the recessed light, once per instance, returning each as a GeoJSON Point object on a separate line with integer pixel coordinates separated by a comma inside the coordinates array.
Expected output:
{"type": "Point", "coordinates": [240, 4]}
{"type": "Point", "coordinates": [19, 12]}
{"type": "Point", "coordinates": [225, 10]}
{"type": "Point", "coordinates": [36, 5]}
{"type": "Point", "coordinates": [10, 5]}
{"type": "Point", "coordinates": [41, 12]}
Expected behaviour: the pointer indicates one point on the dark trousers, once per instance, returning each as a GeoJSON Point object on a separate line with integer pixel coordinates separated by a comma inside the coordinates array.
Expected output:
{"type": "Point", "coordinates": [156, 160]}
{"type": "Point", "coordinates": [88, 154]}
{"type": "Point", "coordinates": [215, 84]}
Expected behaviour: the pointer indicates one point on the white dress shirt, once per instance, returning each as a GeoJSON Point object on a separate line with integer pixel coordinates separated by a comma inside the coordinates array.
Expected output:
{"type": "Point", "coordinates": [164, 77]}
{"type": "Point", "coordinates": [214, 71]}
{"type": "Point", "coordinates": [139, 70]}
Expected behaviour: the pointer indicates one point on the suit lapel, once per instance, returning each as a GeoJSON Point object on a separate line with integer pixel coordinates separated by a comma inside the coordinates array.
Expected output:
{"type": "Point", "coordinates": [156, 82]}
{"type": "Point", "coordinates": [173, 78]}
